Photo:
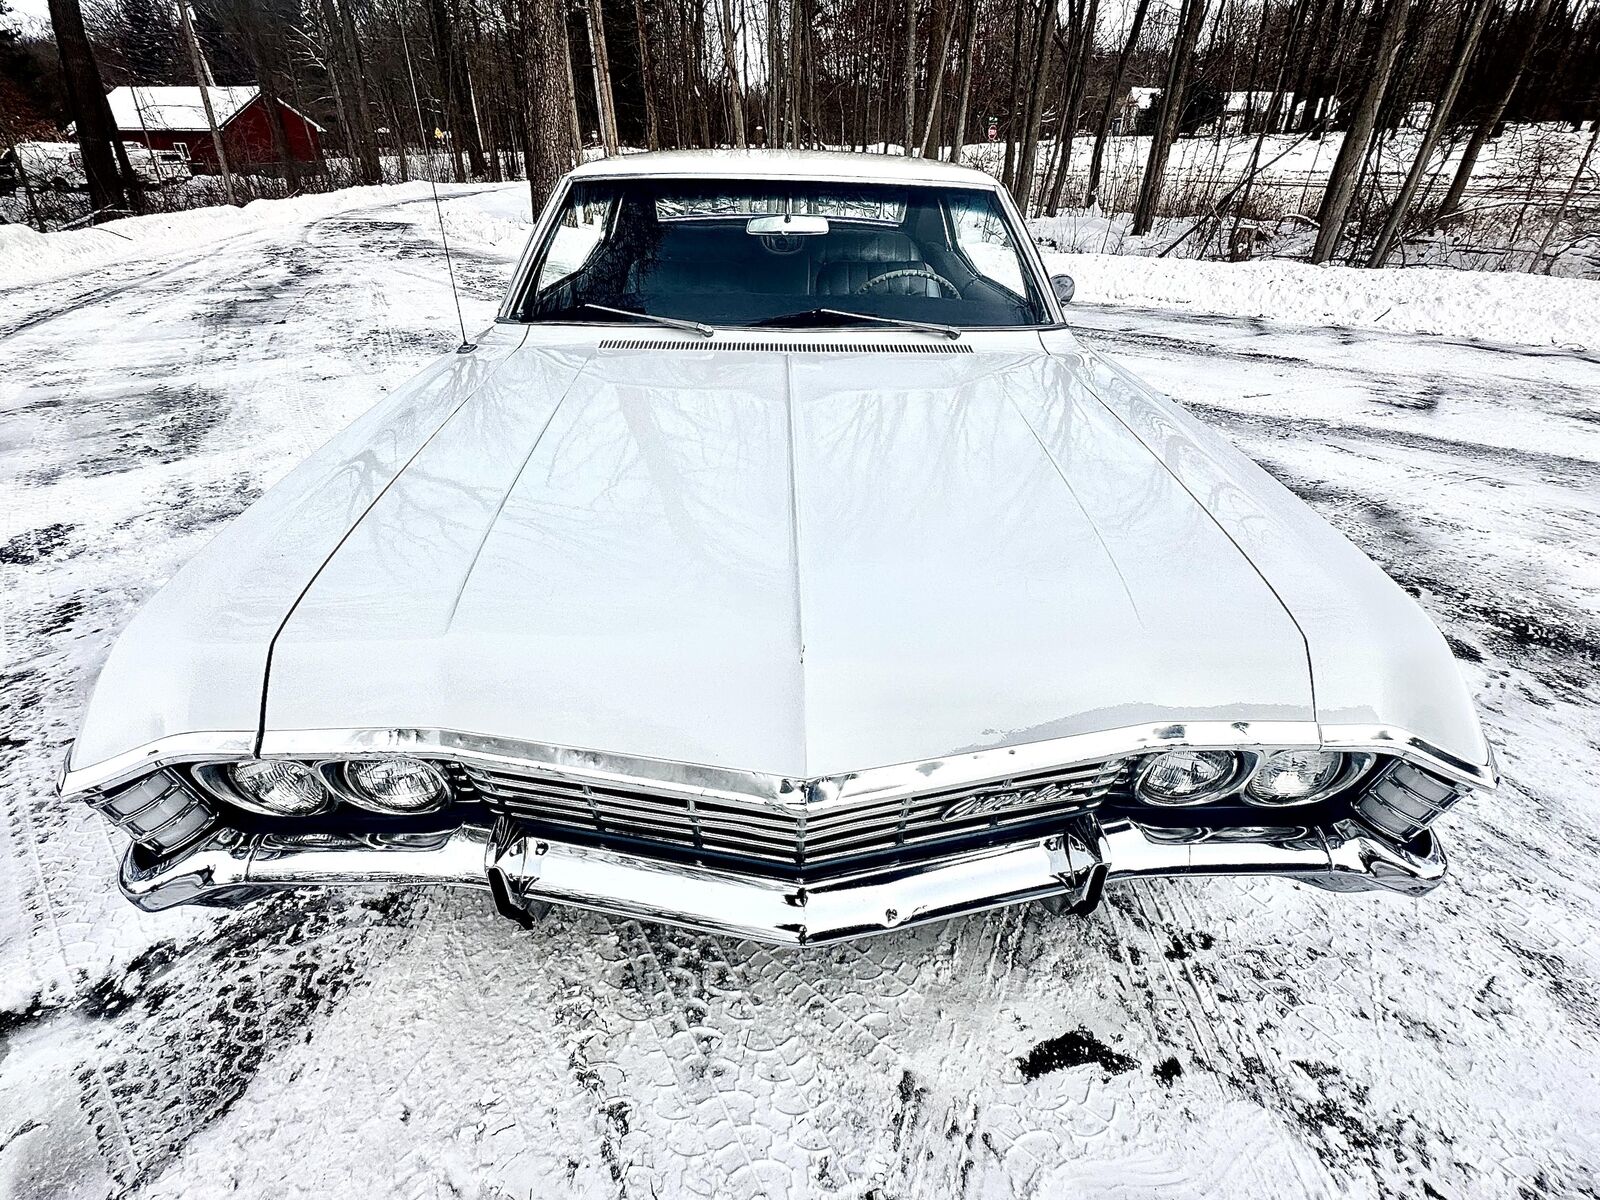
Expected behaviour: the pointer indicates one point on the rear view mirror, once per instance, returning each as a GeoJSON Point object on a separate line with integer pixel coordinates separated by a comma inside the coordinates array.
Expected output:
{"type": "Point", "coordinates": [1064, 287]}
{"type": "Point", "coordinates": [789, 224]}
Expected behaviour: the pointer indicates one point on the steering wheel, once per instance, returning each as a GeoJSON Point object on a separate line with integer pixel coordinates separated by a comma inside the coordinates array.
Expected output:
{"type": "Point", "coordinates": [911, 273]}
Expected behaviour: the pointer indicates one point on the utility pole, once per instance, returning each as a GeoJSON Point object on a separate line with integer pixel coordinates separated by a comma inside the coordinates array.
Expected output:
{"type": "Point", "coordinates": [202, 74]}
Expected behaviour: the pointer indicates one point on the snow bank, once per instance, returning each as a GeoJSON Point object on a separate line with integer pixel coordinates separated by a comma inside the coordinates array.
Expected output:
{"type": "Point", "coordinates": [1498, 306]}
{"type": "Point", "coordinates": [469, 225]}
{"type": "Point", "coordinates": [28, 257]}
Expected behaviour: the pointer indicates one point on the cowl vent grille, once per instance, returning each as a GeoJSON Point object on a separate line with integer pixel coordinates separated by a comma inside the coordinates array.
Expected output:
{"type": "Point", "coordinates": [786, 347]}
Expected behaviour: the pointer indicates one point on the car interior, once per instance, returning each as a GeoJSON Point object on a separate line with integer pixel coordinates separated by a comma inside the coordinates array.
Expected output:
{"type": "Point", "coordinates": [898, 255]}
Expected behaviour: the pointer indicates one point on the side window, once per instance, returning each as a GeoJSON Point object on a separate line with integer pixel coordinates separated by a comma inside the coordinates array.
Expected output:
{"type": "Point", "coordinates": [582, 225]}
{"type": "Point", "coordinates": [981, 234]}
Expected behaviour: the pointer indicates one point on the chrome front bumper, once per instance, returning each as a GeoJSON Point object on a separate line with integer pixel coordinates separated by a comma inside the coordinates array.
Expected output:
{"type": "Point", "coordinates": [525, 873]}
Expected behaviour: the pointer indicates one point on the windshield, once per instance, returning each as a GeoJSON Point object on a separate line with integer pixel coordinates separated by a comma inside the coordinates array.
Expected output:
{"type": "Point", "coordinates": [728, 252]}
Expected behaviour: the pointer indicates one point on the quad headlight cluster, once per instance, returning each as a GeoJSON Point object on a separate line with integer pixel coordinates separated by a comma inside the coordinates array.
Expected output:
{"type": "Point", "coordinates": [1180, 778]}
{"type": "Point", "coordinates": [282, 787]}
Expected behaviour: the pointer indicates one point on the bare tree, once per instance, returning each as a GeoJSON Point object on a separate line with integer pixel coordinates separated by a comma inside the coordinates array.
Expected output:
{"type": "Point", "coordinates": [652, 121]}
{"type": "Point", "coordinates": [1342, 178]}
{"type": "Point", "coordinates": [969, 48]}
{"type": "Point", "coordinates": [202, 78]}
{"type": "Point", "coordinates": [1430, 139]}
{"type": "Point", "coordinates": [936, 71]}
{"type": "Point", "coordinates": [1091, 191]}
{"type": "Point", "coordinates": [1077, 49]}
{"type": "Point", "coordinates": [547, 96]}
{"type": "Point", "coordinates": [87, 100]}
{"type": "Point", "coordinates": [605, 101]}
{"type": "Point", "coordinates": [1192, 15]}
{"type": "Point", "coordinates": [1043, 38]}
{"type": "Point", "coordinates": [1484, 130]}
{"type": "Point", "coordinates": [730, 63]}
{"type": "Point", "coordinates": [911, 76]}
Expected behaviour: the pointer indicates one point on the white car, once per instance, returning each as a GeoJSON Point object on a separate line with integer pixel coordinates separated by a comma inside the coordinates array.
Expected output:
{"type": "Point", "coordinates": [779, 563]}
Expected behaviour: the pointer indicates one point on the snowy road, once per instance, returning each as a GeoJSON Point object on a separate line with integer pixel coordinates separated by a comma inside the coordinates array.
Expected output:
{"type": "Point", "coordinates": [1244, 1038]}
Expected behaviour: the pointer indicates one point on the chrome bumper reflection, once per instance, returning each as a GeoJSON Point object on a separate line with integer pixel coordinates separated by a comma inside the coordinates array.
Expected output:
{"type": "Point", "coordinates": [526, 872]}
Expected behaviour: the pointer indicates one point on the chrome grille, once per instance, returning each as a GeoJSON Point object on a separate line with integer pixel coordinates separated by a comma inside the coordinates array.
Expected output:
{"type": "Point", "coordinates": [797, 834]}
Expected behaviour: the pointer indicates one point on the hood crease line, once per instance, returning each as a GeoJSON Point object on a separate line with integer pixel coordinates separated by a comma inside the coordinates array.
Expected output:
{"type": "Point", "coordinates": [272, 644]}
{"type": "Point", "coordinates": [505, 498]}
{"type": "Point", "coordinates": [794, 559]}
{"type": "Point", "coordinates": [1305, 642]}
{"type": "Point", "coordinates": [1071, 491]}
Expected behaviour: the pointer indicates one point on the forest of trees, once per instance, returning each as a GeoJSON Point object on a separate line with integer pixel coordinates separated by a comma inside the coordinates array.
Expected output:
{"type": "Point", "coordinates": [521, 86]}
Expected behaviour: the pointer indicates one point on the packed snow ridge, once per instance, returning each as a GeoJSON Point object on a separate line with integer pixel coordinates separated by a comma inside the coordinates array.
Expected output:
{"type": "Point", "coordinates": [1488, 306]}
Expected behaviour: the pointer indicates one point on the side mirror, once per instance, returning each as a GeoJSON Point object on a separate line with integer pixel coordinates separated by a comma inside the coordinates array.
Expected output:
{"type": "Point", "coordinates": [1063, 287]}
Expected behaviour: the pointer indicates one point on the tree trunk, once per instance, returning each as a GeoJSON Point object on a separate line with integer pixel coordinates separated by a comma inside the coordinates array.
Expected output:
{"type": "Point", "coordinates": [569, 94]}
{"type": "Point", "coordinates": [774, 74]}
{"type": "Point", "coordinates": [605, 103]}
{"type": "Point", "coordinates": [969, 47]}
{"type": "Point", "coordinates": [730, 66]}
{"type": "Point", "coordinates": [796, 57]}
{"type": "Point", "coordinates": [1008, 170]}
{"type": "Point", "coordinates": [1566, 199]}
{"type": "Point", "coordinates": [547, 95]}
{"type": "Point", "coordinates": [1430, 139]}
{"type": "Point", "coordinates": [1491, 119]}
{"type": "Point", "coordinates": [1022, 185]}
{"type": "Point", "coordinates": [652, 120]}
{"type": "Point", "coordinates": [202, 76]}
{"type": "Point", "coordinates": [1358, 138]}
{"type": "Point", "coordinates": [366, 148]}
{"type": "Point", "coordinates": [449, 88]}
{"type": "Point", "coordinates": [280, 136]}
{"type": "Point", "coordinates": [936, 73]}
{"type": "Point", "coordinates": [1144, 216]}
{"type": "Point", "coordinates": [911, 76]}
{"type": "Point", "coordinates": [1084, 31]}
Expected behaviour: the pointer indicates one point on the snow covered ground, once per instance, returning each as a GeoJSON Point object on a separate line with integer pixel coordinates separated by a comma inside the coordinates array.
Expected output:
{"type": "Point", "coordinates": [1239, 1038]}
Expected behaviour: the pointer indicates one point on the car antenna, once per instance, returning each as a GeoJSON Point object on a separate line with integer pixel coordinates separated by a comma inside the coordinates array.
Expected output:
{"type": "Point", "coordinates": [466, 347]}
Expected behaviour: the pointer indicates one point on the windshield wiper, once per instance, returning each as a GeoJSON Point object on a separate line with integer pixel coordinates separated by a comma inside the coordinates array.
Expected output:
{"type": "Point", "coordinates": [669, 322]}
{"type": "Point", "coordinates": [809, 315]}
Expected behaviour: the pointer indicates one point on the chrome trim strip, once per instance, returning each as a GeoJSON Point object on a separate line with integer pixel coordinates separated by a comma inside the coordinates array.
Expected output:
{"type": "Point", "coordinates": [223, 746]}
{"type": "Point", "coordinates": [1386, 739]}
{"type": "Point", "coordinates": [782, 794]}
{"type": "Point", "coordinates": [536, 871]}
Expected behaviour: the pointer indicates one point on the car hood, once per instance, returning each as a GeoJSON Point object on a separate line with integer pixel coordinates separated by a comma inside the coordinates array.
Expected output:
{"type": "Point", "coordinates": [802, 560]}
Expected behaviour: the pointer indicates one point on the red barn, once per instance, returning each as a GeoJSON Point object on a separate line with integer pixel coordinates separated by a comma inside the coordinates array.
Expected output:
{"type": "Point", "coordinates": [174, 118]}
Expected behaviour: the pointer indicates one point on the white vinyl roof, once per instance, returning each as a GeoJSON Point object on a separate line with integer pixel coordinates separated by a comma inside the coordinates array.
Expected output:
{"type": "Point", "coordinates": [783, 164]}
{"type": "Point", "coordinates": [175, 109]}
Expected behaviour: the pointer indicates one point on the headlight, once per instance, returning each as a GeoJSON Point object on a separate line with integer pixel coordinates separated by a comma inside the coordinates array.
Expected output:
{"type": "Point", "coordinates": [279, 788]}
{"type": "Point", "coordinates": [1294, 776]}
{"type": "Point", "coordinates": [394, 785]}
{"type": "Point", "coordinates": [1181, 777]}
